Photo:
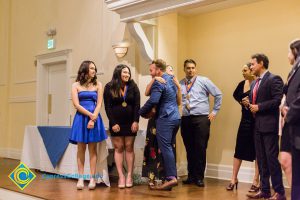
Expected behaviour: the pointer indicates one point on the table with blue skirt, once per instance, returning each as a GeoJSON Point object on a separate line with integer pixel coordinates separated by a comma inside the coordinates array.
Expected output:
{"type": "Point", "coordinates": [47, 148]}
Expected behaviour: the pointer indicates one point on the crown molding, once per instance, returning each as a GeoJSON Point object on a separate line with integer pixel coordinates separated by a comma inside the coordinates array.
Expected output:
{"type": "Point", "coordinates": [136, 10]}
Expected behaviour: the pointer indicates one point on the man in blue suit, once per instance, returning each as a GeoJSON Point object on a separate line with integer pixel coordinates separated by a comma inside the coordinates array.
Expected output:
{"type": "Point", "coordinates": [163, 96]}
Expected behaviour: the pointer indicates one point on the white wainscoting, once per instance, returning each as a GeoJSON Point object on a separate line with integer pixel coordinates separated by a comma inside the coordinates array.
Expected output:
{"type": "Point", "coordinates": [22, 99]}
{"type": "Point", "coordinates": [25, 81]}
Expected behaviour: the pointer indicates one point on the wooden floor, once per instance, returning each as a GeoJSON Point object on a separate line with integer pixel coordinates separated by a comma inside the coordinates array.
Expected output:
{"type": "Point", "coordinates": [61, 189]}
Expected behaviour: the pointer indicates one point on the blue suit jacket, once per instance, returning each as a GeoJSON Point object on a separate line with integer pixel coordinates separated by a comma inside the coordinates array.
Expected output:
{"type": "Point", "coordinates": [164, 97]}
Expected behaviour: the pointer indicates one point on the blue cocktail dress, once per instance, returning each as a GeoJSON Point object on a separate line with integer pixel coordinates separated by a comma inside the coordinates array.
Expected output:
{"type": "Point", "coordinates": [80, 132]}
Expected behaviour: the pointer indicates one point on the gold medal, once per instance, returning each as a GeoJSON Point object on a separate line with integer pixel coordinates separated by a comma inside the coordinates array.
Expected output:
{"type": "Point", "coordinates": [124, 104]}
{"type": "Point", "coordinates": [188, 96]}
{"type": "Point", "coordinates": [188, 106]}
{"type": "Point", "coordinates": [154, 131]}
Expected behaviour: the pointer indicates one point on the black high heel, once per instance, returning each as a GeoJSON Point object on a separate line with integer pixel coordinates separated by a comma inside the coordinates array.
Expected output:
{"type": "Point", "coordinates": [230, 187]}
{"type": "Point", "coordinates": [254, 188]}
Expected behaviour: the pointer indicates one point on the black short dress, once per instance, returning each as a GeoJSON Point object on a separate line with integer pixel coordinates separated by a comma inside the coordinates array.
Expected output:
{"type": "Point", "coordinates": [244, 148]}
{"type": "Point", "coordinates": [118, 114]}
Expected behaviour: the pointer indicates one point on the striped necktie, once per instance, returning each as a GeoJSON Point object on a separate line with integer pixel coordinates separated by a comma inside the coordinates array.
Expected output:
{"type": "Point", "coordinates": [255, 90]}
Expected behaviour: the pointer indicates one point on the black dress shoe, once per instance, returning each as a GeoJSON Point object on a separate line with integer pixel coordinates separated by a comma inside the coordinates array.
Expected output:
{"type": "Point", "coordinates": [259, 195]}
{"type": "Point", "coordinates": [189, 180]}
{"type": "Point", "coordinates": [199, 183]}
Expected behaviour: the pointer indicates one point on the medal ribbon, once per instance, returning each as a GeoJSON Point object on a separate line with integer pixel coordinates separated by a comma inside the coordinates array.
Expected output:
{"type": "Point", "coordinates": [124, 93]}
{"type": "Point", "coordinates": [188, 87]}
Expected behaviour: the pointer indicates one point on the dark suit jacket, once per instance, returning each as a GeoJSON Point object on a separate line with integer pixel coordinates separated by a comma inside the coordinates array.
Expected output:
{"type": "Point", "coordinates": [164, 97]}
{"type": "Point", "coordinates": [293, 102]}
{"type": "Point", "coordinates": [268, 99]}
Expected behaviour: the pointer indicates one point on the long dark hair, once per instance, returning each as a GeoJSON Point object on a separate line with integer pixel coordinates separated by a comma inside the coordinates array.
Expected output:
{"type": "Point", "coordinates": [83, 73]}
{"type": "Point", "coordinates": [116, 80]}
{"type": "Point", "coordinates": [295, 48]}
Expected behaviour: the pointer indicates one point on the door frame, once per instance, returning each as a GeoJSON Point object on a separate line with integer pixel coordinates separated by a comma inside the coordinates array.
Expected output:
{"type": "Point", "coordinates": [44, 61]}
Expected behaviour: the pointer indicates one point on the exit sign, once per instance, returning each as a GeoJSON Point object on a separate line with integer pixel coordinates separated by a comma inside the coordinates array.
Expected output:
{"type": "Point", "coordinates": [51, 44]}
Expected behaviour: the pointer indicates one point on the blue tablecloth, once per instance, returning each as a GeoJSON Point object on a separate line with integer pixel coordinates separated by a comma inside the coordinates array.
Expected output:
{"type": "Point", "coordinates": [56, 141]}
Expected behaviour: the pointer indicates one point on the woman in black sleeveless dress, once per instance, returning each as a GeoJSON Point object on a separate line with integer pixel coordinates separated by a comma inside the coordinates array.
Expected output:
{"type": "Point", "coordinates": [244, 149]}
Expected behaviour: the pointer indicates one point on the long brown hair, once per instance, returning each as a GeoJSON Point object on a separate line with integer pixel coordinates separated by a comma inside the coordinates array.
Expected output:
{"type": "Point", "coordinates": [83, 73]}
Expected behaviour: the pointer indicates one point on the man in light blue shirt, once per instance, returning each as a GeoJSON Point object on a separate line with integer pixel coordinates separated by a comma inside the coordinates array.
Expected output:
{"type": "Point", "coordinates": [196, 119]}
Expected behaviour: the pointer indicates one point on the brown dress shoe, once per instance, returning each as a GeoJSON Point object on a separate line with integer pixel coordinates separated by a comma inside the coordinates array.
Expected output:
{"type": "Point", "coordinates": [259, 195]}
{"type": "Point", "coordinates": [168, 185]}
{"type": "Point", "coordinates": [277, 196]}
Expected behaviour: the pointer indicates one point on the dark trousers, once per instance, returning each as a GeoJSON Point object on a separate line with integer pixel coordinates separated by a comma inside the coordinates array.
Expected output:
{"type": "Point", "coordinates": [267, 150]}
{"type": "Point", "coordinates": [296, 170]}
{"type": "Point", "coordinates": [195, 135]}
{"type": "Point", "coordinates": [166, 134]}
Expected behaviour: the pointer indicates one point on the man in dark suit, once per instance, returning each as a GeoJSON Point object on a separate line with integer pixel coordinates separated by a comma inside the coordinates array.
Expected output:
{"type": "Point", "coordinates": [163, 96]}
{"type": "Point", "coordinates": [292, 118]}
{"type": "Point", "coordinates": [265, 98]}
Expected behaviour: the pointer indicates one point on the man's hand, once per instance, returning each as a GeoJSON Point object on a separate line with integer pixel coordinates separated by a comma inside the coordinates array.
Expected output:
{"type": "Point", "coordinates": [160, 79]}
{"type": "Point", "coordinates": [254, 108]}
{"type": "Point", "coordinates": [211, 117]}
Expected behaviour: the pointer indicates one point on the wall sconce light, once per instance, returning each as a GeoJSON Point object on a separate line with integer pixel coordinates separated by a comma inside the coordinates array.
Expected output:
{"type": "Point", "coordinates": [121, 48]}
{"type": "Point", "coordinates": [51, 32]}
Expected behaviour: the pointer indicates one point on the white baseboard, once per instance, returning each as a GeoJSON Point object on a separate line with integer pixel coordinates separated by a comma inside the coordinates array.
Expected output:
{"type": "Point", "coordinates": [224, 172]}
{"type": "Point", "coordinates": [10, 153]}
{"type": "Point", "coordinates": [182, 169]}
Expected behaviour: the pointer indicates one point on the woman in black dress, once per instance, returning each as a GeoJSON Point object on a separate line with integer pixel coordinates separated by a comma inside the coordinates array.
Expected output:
{"type": "Point", "coordinates": [244, 149]}
{"type": "Point", "coordinates": [122, 103]}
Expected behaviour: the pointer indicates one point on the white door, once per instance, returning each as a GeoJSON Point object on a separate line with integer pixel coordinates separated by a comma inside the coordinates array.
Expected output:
{"type": "Point", "coordinates": [57, 95]}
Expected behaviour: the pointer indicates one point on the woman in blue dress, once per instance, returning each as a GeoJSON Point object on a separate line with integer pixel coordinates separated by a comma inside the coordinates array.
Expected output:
{"type": "Point", "coordinates": [88, 127]}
